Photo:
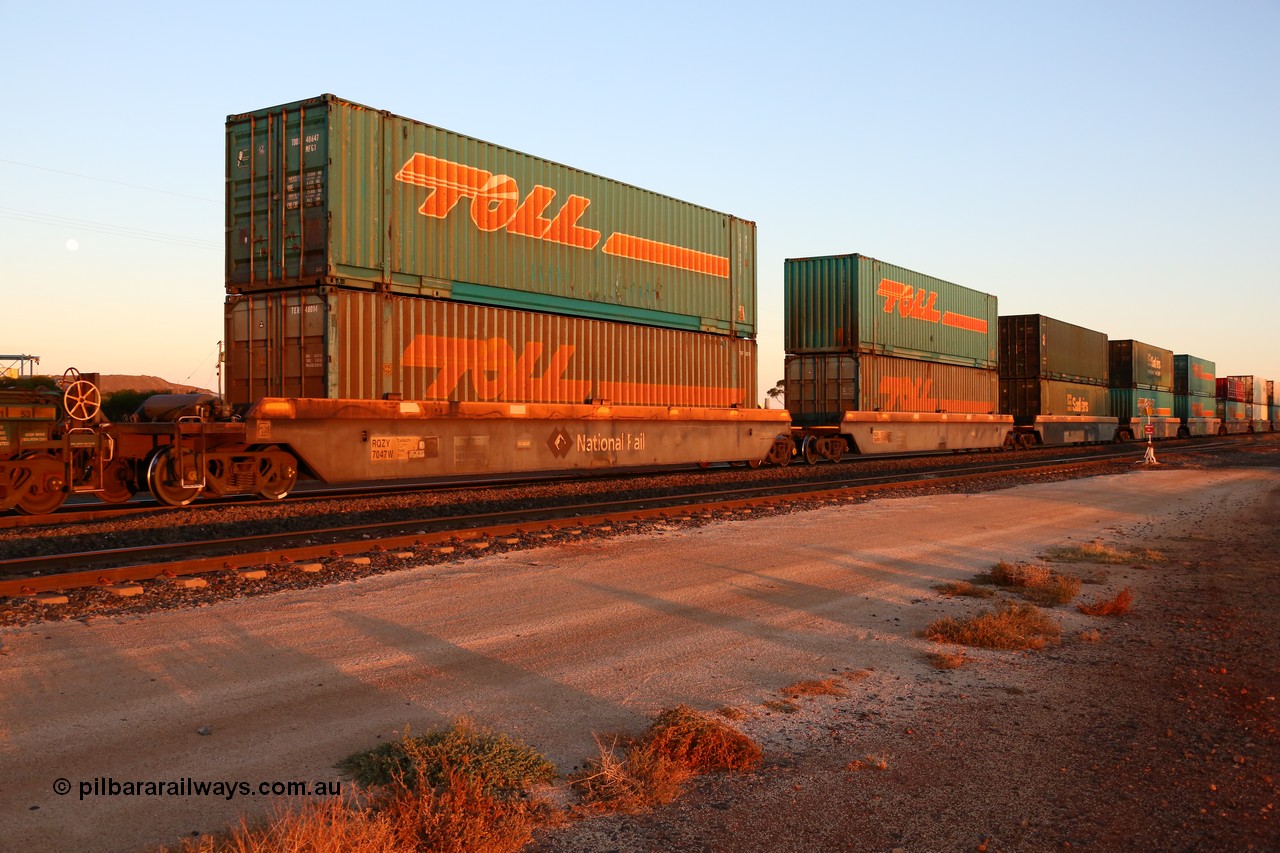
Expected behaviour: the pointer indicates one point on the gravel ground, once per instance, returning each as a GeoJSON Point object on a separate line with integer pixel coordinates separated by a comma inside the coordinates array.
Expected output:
{"type": "Point", "coordinates": [1157, 733]}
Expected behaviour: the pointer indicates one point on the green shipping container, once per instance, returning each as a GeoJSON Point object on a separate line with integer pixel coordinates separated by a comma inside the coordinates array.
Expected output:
{"type": "Point", "coordinates": [1134, 364]}
{"type": "Point", "coordinates": [327, 192]}
{"type": "Point", "coordinates": [1033, 346]}
{"type": "Point", "coordinates": [1130, 403]}
{"type": "Point", "coordinates": [852, 303]}
{"type": "Point", "coordinates": [1194, 376]}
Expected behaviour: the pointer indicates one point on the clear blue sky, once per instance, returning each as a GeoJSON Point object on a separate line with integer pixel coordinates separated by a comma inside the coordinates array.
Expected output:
{"type": "Point", "coordinates": [1111, 164]}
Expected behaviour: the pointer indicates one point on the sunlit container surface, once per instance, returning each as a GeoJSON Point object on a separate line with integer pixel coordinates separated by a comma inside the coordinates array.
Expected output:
{"type": "Point", "coordinates": [1253, 389]}
{"type": "Point", "coordinates": [1195, 406]}
{"type": "Point", "coordinates": [1027, 399]}
{"type": "Point", "coordinates": [1194, 376]}
{"type": "Point", "coordinates": [852, 303]}
{"type": "Point", "coordinates": [820, 388]}
{"type": "Point", "coordinates": [325, 191]}
{"type": "Point", "coordinates": [1138, 365]}
{"type": "Point", "coordinates": [358, 344]}
{"type": "Point", "coordinates": [1033, 346]}
{"type": "Point", "coordinates": [1230, 388]}
{"type": "Point", "coordinates": [1130, 403]}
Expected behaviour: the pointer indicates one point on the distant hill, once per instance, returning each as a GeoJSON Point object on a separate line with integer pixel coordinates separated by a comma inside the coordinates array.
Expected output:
{"type": "Point", "coordinates": [109, 383]}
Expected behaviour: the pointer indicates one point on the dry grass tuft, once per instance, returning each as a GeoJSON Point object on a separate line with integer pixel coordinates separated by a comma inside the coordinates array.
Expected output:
{"type": "Point", "coordinates": [856, 674]}
{"type": "Point", "coordinates": [947, 660]}
{"type": "Point", "coordinates": [825, 687]}
{"type": "Point", "coordinates": [650, 770]}
{"type": "Point", "coordinates": [1098, 552]}
{"type": "Point", "coordinates": [730, 712]}
{"type": "Point", "coordinates": [1121, 604]}
{"type": "Point", "coordinates": [782, 706]}
{"type": "Point", "coordinates": [1011, 625]}
{"type": "Point", "coordinates": [323, 826]}
{"type": "Point", "coordinates": [1039, 584]}
{"type": "Point", "coordinates": [462, 815]}
{"type": "Point", "coordinates": [1094, 636]}
{"type": "Point", "coordinates": [965, 588]}
{"type": "Point", "coordinates": [867, 762]}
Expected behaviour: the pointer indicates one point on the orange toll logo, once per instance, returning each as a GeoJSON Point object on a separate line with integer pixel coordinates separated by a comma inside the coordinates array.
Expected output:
{"type": "Point", "coordinates": [919, 304]}
{"type": "Point", "coordinates": [496, 203]}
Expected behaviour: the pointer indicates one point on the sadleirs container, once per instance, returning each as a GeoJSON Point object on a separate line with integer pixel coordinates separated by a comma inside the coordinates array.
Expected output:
{"type": "Point", "coordinates": [363, 345]}
{"type": "Point", "coordinates": [822, 387]}
{"type": "Point", "coordinates": [856, 304]}
{"type": "Point", "coordinates": [1134, 364]}
{"type": "Point", "coordinates": [1033, 346]}
{"type": "Point", "coordinates": [328, 192]}
{"type": "Point", "coordinates": [1194, 376]}
{"type": "Point", "coordinates": [1028, 398]}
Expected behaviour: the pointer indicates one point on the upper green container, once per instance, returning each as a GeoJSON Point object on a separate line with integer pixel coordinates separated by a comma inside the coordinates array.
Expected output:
{"type": "Point", "coordinates": [852, 303]}
{"type": "Point", "coordinates": [1194, 376]}
{"type": "Point", "coordinates": [325, 191]}
{"type": "Point", "coordinates": [1133, 364]}
{"type": "Point", "coordinates": [1033, 346]}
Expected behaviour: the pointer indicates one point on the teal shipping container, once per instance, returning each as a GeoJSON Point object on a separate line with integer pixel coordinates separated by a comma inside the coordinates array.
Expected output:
{"type": "Point", "coordinates": [1194, 376]}
{"type": "Point", "coordinates": [856, 304]}
{"type": "Point", "coordinates": [1134, 364]}
{"type": "Point", "coordinates": [1130, 403]}
{"type": "Point", "coordinates": [328, 192]}
{"type": "Point", "coordinates": [1033, 346]}
{"type": "Point", "coordinates": [1195, 406]}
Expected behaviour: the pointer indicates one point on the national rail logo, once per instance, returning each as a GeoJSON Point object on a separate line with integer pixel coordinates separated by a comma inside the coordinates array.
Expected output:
{"type": "Point", "coordinates": [496, 204]}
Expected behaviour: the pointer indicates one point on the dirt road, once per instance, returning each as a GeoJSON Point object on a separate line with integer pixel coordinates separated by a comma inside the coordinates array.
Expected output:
{"type": "Point", "coordinates": [1082, 744]}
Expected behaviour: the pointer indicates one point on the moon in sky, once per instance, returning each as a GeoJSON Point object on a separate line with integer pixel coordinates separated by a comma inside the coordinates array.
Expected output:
{"type": "Point", "coordinates": [73, 244]}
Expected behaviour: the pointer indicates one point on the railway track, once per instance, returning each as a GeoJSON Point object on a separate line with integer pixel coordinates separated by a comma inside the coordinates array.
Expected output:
{"type": "Point", "coordinates": [412, 537]}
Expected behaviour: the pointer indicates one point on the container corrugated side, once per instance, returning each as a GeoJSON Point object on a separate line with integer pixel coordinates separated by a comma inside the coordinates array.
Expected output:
{"type": "Point", "coordinates": [852, 303]}
{"type": "Point", "coordinates": [1230, 388]}
{"type": "Point", "coordinates": [1134, 364]}
{"type": "Point", "coordinates": [1194, 406]}
{"type": "Point", "coordinates": [327, 192]}
{"type": "Point", "coordinates": [1029, 398]}
{"type": "Point", "coordinates": [1271, 392]}
{"type": "Point", "coordinates": [1254, 389]}
{"type": "Point", "coordinates": [821, 387]}
{"type": "Point", "coordinates": [358, 344]}
{"type": "Point", "coordinates": [1130, 403]}
{"type": "Point", "coordinates": [1033, 346]}
{"type": "Point", "coordinates": [1192, 375]}
{"type": "Point", "coordinates": [1232, 410]}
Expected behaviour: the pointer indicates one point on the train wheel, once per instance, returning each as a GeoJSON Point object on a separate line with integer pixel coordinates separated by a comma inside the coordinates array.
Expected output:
{"type": "Point", "coordinates": [167, 476]}
{"type": "Point", "coordinates": [43, 488]}
{"type": "Point", "coordinates": [277, 475]}
{"type": "Point", "coordinates": [809, 449]}
{"type": "Point", "coordinates": [754, 463]}
{"type": "Point", "coordinates": [119, 482]}
{"type": "Point", "coordinates": [835, 449]}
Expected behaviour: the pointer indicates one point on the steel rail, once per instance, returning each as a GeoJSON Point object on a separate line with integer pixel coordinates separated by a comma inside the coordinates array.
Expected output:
{"type": "Point", "coordinates": [68, 571]}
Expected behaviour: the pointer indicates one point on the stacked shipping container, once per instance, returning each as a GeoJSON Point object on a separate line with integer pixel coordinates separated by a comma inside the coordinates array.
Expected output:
{"type": "Point", "coordinates": [1194, 394]}
{"type": "Point", "coordinates": [1253, 393]}
{"type": "Point", "coordinates": [370, 256]}
{"type": "Point", "coordinates": [1142, 388]}
{"type": "Point", "coordinates": [864, 335]}
{"type": "Point", "coordinates": [1053, 379]}
{"type": "Point", "coordinates": [1232, 409]}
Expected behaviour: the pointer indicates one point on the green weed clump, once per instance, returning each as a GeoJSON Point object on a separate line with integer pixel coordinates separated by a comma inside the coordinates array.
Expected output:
{"type": "Point", "coordinates": [1098, 552]}
{"type": "Point", "coordinates": [501, 764]}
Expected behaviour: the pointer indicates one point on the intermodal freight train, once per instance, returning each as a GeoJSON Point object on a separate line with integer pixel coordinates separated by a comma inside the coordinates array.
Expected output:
{"type": "Point", "coordinates": [405, 302]}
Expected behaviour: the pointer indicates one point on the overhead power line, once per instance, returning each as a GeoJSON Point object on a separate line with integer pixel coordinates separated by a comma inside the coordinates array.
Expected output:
{"type": "Point", "coordinates": [110, 181]}
{"type": "Point", "coordinates": [105, 228]}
